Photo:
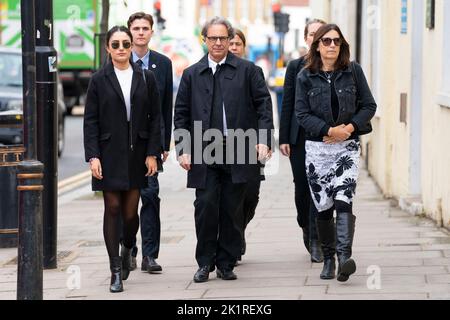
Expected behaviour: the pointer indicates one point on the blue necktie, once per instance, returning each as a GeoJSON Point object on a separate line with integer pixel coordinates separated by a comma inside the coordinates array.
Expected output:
{"type": "Point", "coordinates": [140, 63]}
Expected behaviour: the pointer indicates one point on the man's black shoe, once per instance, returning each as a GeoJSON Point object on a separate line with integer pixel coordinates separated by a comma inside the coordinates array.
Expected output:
{"type": "Point", "coordinates": [150, 265]}
{"type": "Point", "coordinates": [202, 274]}
{"type": "Point", "coordinates": [226, 274]}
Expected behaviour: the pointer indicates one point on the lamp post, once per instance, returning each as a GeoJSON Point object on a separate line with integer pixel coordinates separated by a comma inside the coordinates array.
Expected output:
{"type": "Point", "coordinates": [47, 125]}
{"type": "Point", "coordinates": [30, 172]}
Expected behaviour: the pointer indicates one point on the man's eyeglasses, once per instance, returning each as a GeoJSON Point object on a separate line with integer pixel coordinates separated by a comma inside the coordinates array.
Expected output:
{"type": "Point", "coordinates": [116, 45]}
{"type": "Point", "coordinates": [327, 41]}
{"type": "Point", "coordinates": [214, 39]}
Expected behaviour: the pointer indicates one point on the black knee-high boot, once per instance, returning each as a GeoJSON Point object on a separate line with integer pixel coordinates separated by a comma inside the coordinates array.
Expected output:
{"type": "Point", "coordinates": [326, 233]}
{"type": "Point", "coordinates": [345, 230]}
{"type": "Point", "coordinates": [115, 265]}
{"type": "Point", "coordinates": [125, 253]}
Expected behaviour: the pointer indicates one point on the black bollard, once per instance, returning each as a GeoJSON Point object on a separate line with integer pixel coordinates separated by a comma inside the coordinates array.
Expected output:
{"type": "Point", "coordinates": [10, 156]}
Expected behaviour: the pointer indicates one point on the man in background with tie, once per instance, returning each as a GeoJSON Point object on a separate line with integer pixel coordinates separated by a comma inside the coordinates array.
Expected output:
{"type": "Point", "coordinates": [141, 27]}
{"type": "Point", "coordinates": [218, 93]}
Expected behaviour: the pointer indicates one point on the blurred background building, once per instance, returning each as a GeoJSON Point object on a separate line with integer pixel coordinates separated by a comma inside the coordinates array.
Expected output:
{"type": "Point", "coordinates": [404, 49]}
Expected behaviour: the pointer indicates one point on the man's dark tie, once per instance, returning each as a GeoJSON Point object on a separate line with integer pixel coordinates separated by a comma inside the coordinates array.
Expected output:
{"type": "Point", "coordinates": [140, 63]}
{"type": "Point", "coordinates": [217, 106]}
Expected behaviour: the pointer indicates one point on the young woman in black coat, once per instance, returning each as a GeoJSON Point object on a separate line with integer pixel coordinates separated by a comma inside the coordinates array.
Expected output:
{"type": "Point", "coordinates": [121, 140]}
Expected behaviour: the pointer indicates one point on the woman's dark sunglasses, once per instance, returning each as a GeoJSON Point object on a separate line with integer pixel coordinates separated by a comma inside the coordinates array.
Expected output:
{"type": "Point", "coordinates": [116, 45]}
{"type": "Point", "coordinates": [327, 41]}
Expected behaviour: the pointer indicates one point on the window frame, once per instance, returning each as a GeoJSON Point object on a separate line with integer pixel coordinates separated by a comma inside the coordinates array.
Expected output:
{"type": "Point", "coordinates": [443, 96]}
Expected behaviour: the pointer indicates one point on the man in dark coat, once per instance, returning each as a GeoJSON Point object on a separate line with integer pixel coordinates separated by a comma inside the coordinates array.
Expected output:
{"type": "Point", "coordinates": [140, 25]}
{"type": "Point", "coordinates": [214, 101]}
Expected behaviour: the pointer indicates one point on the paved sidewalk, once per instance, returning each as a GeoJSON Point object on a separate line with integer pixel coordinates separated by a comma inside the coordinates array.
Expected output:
{"type": "Point", "coordinates": [410, 255]}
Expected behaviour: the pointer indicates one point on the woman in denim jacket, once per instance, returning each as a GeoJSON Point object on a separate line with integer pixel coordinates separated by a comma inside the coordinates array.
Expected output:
{"type": "Point", "coordinates": [334, 105]}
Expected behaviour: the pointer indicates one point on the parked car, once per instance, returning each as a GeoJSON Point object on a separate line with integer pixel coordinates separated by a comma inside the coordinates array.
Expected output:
{"type": "Point", "coordinates": [11, 103]}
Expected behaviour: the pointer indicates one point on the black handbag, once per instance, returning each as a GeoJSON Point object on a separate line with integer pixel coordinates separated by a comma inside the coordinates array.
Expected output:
{"type": "Point", "coordinates": [367, 128]}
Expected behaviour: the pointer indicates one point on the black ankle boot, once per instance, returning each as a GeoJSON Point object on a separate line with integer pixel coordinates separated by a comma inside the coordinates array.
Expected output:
{"type": "Point", "coordinates": [115, 265]}
{"type": "Point", "coordinates": [326, 233]}
{"type": "Point", "coordinates": [125, 253]}
{"type": "Point", "coordinates": [345, 230]}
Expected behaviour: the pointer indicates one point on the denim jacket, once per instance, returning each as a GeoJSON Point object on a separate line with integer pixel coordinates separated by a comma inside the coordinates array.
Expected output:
{"type": "Point", "coordinates": [313, 102]}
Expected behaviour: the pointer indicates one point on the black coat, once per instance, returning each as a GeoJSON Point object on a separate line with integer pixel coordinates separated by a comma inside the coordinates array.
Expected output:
{"type": "Point", "coordinates": [290, 130]}
{"type": "Point", "coordinates": [121, 148]}
{"type": "Point", "coordinates": [243, 89]}
{"type": "Point", "coordinates": [161, 66]}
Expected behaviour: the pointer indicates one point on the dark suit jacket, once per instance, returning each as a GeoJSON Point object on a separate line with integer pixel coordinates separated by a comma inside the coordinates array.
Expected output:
{"type": "Point", "coordinates": [108, 136]}
{"type": "Point", "coordinates": [289, 127]}
{"type": "Point", "coordinates": [243, 89]}
{"type": "Point", "coordinates": [161, 66]}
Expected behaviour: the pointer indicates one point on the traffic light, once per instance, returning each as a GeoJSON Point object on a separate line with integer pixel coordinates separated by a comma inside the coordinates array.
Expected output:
{"type": "Point", "coordinates": [159, 20]}
{"type": "Point", "coordinates": [276, 7]}
{"type": "Point", "coordinates": [281, 21]}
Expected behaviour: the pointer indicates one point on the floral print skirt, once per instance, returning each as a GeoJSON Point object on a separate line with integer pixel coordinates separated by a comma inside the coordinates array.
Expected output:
{"type": "Point", "coordinates": [332, 171]}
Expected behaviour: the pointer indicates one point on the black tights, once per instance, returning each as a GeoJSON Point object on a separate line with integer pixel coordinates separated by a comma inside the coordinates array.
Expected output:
{"type": "Point", "coordinates": [339, 206]}
{"type": "Point", "coordinates": [116, 203]}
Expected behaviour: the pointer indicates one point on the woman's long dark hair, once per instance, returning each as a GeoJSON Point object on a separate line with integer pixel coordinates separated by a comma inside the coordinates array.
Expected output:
{"type": "Point", "coordinates": [313, 59]}
{"type": "Point", "coordinates": [311, 22]}
{"type": "Point", "coordinates": [241, 35]}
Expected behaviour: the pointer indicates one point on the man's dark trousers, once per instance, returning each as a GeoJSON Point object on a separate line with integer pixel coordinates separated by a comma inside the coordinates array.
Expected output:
{"type": "Point", "coordinates": [305, 217]}
{"type": "Point", "coordinates": [150, 218]}
{"type": "Point", "coordinates": [249, 205]}
{"type": "Point", "coordinates": [251, 200]}
{"type": "Point", "coordinates": [216, 209]}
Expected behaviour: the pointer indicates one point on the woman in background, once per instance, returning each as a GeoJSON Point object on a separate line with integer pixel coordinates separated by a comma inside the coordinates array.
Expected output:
{"type": "Point", "coordinates": [237, 47]}
{"type": "Point", "coordinates": [292, 145]}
